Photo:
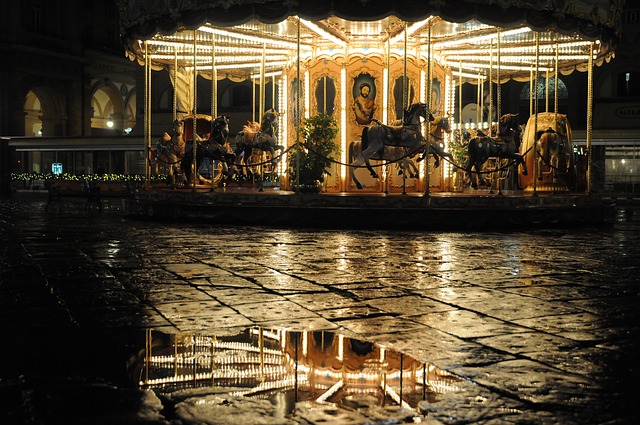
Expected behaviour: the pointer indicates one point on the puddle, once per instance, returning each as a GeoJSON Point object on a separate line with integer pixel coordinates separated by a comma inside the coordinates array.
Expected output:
{"type": "Point", "coordinates": [314, 375]}
{"type": "Point", "coordinates": [259, 375]}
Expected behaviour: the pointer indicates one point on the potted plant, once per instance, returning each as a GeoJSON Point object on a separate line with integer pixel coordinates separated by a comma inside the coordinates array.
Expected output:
{"type": "Point", "coordinates": [308, 161]}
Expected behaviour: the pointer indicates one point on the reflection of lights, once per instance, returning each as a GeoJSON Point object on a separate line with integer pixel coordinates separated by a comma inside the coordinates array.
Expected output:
{"type": "Point", "coordinates": [330, 392]}
{"type": "Point", "coordinates": [396, 397]}
{"type": "Point", "coordinates": [192, 361]}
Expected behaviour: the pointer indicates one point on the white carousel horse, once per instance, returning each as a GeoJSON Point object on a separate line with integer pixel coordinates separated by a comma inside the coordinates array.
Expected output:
{"type": "Point", "coordinates": [553, 149]}
{"type": "Point", "coordinates": [168, 151]}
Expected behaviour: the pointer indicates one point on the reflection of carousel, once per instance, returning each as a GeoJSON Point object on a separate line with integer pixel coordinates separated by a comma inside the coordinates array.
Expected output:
{"type": "Point", "coordinates": [363, 70]}
{"type": "Point", "coordinates": [320, 367]}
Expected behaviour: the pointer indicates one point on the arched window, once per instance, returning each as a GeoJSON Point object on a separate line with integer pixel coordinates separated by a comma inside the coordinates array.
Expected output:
{"type": "Point", "coordinates": [165, 104]}
{"type": "Point", "coordinates": [33, 115]}
{"type": "Point", "coordinates": [103, 109]}
{"type": "Point", "coordinates": [542, 89]}
{"type": "Point", "coordinates": [241, 97]}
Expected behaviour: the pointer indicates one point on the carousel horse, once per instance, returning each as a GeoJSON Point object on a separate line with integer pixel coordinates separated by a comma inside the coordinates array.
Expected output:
{"type": "Point", "coordinates": [262, 136]}
{"type": "Point", "coordinates": [213, 146]}
{"type": "Point", "coordinates": [378, 136]}
{"type": "Point", "coordinates": [168, 151]}
{"type": "Point", "coordinates": [552, 148]}
{"type": "Point", "coordinates": [439, 126]}
{"type": "Point", "coordinates": [403, 155]}
{"type": "Point", "coordinates": [505, 145]}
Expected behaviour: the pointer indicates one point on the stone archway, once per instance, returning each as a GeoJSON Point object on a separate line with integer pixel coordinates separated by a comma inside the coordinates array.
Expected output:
{"type": "Point", "coordinates": [107, 105]}
{"type": "Point", "coordinates": [32, 115]}
{"type": "Point", "coordinates": [44, 112]}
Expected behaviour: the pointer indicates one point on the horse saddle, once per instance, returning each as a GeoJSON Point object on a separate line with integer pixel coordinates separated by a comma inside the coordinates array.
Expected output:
{"type": "Point", "coordinates": [397, 134]}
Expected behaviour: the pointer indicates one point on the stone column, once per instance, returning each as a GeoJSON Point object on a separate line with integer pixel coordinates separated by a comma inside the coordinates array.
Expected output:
{"type": "Point", "coordinates": [138, 130]}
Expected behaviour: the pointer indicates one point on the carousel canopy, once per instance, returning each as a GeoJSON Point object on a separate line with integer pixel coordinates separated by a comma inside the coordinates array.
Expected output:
{"type": "Point", "coordinates": [243, 37]}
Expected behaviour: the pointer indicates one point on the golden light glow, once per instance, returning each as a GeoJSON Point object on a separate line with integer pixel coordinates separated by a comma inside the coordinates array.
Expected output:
{"type": "Point", "coordinates": [322, 33]}
{"type": "Point", "coordinates": [410, 30]}
{"type": "Point", "coordinates": [343, 124]}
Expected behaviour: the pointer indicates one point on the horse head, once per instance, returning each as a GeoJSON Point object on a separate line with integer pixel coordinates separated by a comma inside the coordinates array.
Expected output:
{"type": "Point", "coordinates": [178, 127]}
{"type": "Point", "coordinates": [442, 122]}
{"type": "Point", "coordinates": [220, 129]}
{"type": "Point", "coordinates": [269, 122]}
{"type": "Point", "coordinates": [413, 113]}
{"type": "Point", "coordinates": [509, 128]}
{"type": "Point", "coordinates": [509, 122]}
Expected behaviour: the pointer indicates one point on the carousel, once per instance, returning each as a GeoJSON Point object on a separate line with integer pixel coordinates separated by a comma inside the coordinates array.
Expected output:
{"type": "Point", "coordinates": [355, 99]}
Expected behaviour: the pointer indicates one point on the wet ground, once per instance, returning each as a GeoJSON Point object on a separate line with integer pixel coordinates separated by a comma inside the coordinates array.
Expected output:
{"type": "Point", "coordinates": [107, 320]}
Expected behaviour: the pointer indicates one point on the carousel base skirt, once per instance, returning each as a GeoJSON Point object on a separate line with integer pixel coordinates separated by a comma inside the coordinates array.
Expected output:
{"type": "Point", "coordinates": [448, 210]}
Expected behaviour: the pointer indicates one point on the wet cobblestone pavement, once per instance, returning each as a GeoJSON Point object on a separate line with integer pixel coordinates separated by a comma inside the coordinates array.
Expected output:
{"type": "Point", "coordinates": [537, 327]}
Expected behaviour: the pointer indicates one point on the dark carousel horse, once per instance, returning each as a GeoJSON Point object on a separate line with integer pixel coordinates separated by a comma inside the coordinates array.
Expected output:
{"type": "Point", "coordinates": [403, 156]}
{"type": "Point", "coordinates": [553, 149]}
{"type": "Point", "coordinates": [505, 145]}
{"type": "Point", "coordinates": [215, 147]}
{"type": "Point", "coordinates": [262, 136]}
{"type": "Point", "coordinates": [378, 138]}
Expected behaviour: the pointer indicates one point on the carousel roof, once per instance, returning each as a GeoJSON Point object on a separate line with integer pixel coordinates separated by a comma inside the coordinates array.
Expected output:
{"type": "Point", "coordinates": [252, 35]}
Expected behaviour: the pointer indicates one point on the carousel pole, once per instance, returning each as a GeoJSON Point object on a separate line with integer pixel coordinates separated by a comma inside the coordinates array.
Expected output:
{"type": "Point", "coordinates": [261, 109]}
{"type": "Point", "coordinates": [450, 169]}
{"type": "Point", "coordinates": [499, 111]}
{"type": "Point", "coordinates": [531, 92]}
{"type": "Point", "coordinates": [481, 102]}
{"type": "Point", "coordinates": [535, 120]}
{"type": "Point", "coordinates": [460, 120]}
{"type": "Point", "coordinates": [498, 89]}
{"type": "Point", "coordinates": [405, 105]}
{"type": "Point", "coordinates": [147, 113]}
{"type": "Point", "coordinates": [214, 93]}
{"type": "Point", "coordinates": [405, 82]}
{"type": "Point", "coordinates": [387, 105]}
{"type": "Point", "coordinates": [555, 84]}
{"type": "Point", "coordinates": [253, 98]}
{"type": "Point", "coordinates": [490, 117]}
{"type": "Point", "coordinates": [478, 103]}
{"type": "Point", "coordinates": [195, 109]}
{"type": "Point", "coordinates": [590, 119]}
{"type": "Point", "coordinates": [427, 179]}
{"type": "Point", "coordinates": [175, 84]}
{"type": "Point", "coordinates": [273, 92]}
{"type": "Point", "coordinates": [262, 81]}
{"type": "Point", "coordinates": [297, 106]}
{"type": "Point", "coordinates": [546, 91]}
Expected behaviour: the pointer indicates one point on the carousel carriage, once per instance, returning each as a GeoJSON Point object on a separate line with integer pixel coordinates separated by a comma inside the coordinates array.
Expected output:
{"type": "Point", "coordinates": [554, 159]}
{"type": "Point", "coordinates": [214, 158]}
{"type": "Point", "coordinates": [255, 147]}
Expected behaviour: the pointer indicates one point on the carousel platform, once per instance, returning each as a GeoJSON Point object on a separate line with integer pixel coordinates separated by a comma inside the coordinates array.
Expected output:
{"type": "Point", "coordinates": [474, 210]}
